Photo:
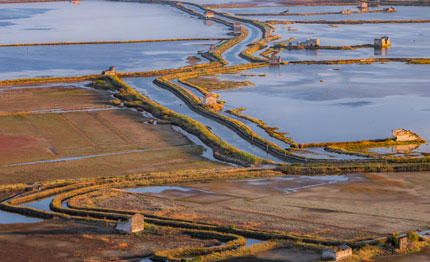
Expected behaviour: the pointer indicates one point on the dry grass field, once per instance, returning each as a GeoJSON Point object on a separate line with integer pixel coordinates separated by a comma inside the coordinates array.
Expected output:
{"type": "Point", "coordinates": [80, 131]}
{"type": "Point", "coordinates": [374, 205]}
{"type": "Point", "coordinates": [66, 241]}
{"type": "Point", "coordinates": [213, 83]}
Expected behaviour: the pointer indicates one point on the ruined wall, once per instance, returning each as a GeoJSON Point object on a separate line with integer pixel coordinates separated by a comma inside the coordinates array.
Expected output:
{"type": "Point", "coordinates": [343, 254]}
{"type": "Point", "coordinates": [402, 135]}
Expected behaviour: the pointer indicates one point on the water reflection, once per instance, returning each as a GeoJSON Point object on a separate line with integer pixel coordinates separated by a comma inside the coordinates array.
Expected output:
{"type": "Point", "coordinates": [74, 60]}
{"type": "Point", "coordinates": [381, 51]}
{"type": "Point", "coordinates": [12, 218]}
{"type": "Point", "coordinates": [84, 22]}
{"type": "Point", "coordinates": [355, 102]}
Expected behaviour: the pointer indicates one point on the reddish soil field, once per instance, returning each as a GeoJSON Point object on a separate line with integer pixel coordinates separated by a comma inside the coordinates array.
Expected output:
{"type": "Point", "coordinates": [9, 142]}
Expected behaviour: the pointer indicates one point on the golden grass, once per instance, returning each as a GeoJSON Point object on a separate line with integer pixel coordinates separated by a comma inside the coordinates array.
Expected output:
{"type": "Point", "coordinates": [211, 83]}
{"type": "Point", "coordinates": [115, 42]}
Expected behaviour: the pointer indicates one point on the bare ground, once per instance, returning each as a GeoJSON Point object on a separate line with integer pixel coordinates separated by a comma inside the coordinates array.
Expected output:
{"type": "Point", "coordinates": [376, 205]}
{"type": "Point", "coordinates": [66, 241]}
{"type": "Point", "coordinates": [31, 137]}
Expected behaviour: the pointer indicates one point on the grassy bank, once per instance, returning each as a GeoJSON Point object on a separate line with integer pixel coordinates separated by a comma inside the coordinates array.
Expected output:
{"type": "Point", "coordinates": [116, 42]}
{"type": "Point", "coordinates": [301, 47]}
{"type": "Point", "coordinates": [222, 150]}
{"type": "Point", "coordinates": [269, 130]}
{"type": "Point", "coordinates": [237, 126]}
{"type": "Point", "coordinates": [358, 167]}
{"type": "Point", "coordinates": [365, 61]}
{"type": "Point", "coordinates": [310, 14]}
{"type": "Point", "coordinates": [349, 22]}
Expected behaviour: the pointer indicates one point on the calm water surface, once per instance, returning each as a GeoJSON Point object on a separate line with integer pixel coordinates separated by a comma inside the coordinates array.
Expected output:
{"type": "Point", "coordinates": [353, 103]}
{"type": "Point", "coordinates": [407, 40]}
{"type": "Point", "coordinates": [75, 60]}
{"type": "Point", "coordinates": [97, 21]}
{"type": "Point", "coordinates": [12, 218]}
{"type": "Point", "coordinates": [172, 102]}
{"type": "Point", "coordinates": [403, 13]}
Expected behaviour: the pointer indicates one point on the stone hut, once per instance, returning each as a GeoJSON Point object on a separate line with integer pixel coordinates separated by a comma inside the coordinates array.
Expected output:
{"type": "Point", "coordinates": [342, 252]}
{"type": "Point", "coordinates": [209, 14]}
{"type": "Point", "coordinates": [389, 10]}
{"type": "Point", "coordinates": [363, 6]}
{"type": "Point", "coordinates": [345, 12]}
{"type": "Point", "coordinates": [213, 49]}
{"type": "Point", "coordinates": [403, 243]}
{"type": "Point", "coordinates": [275, 60]}
{"type": "Point", "coordinates": [402, 135]}
{"type": "Point", "coordinates": [268, 33]}
{"type": "Point", "coordinates": [312, 42]}
{"type": "Point", "coordinates": [237, 28]}
{"type": "Point", "coordinates": [210, 100]}
{"type": "Point", "coordinates": [134, 224]}
{"type": "Point", "coordinates": [382, 42]}
{"type": "Point", "coordinates": [110, 71]}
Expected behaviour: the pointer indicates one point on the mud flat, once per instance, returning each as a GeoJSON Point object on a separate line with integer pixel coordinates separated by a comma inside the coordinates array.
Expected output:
{"type": "Point", "coordinates": [421, 256]}
{"type": "Point", "coordinates": [340, 207]}
{"type": "Point", "coordinates": [281, 255]}
{"type": "Point", "coordinates": [67, 241]}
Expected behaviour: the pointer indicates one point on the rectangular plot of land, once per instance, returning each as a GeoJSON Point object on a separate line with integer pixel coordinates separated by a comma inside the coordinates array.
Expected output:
{"type": "Point", "coordinates": [13, 100]}
{"type": "Point", "coordinates": [88, 142]}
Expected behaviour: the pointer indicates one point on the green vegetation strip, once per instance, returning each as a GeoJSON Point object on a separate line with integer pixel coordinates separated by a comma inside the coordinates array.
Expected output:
{"type": "Point", "coordinates": [243, 130]}
{"type": "Point", "coordinates": [355, 147]}
{"type": "Point", "coordinates": [267, 30]}
{"type": "Point", "coordinates": [392, 165]}
{"type": "Point", "coordinates": [222, 150]}
{"type": "Point", "coordinates": [45, 80]}
{"type": "Point", "coordinates": [256, 46]}
{"type": "Point", "coordinates": [269, 130]}
{"type": "Point", "coordinates": [233, 235]}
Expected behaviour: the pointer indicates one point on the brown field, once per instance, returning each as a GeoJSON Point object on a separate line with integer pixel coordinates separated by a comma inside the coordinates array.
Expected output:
{"type": "Point", "coordinates": [31, 137]}
{"type": "Point", "coordinates": [65, 241]}
{"type": "Point", "coordinates": [13, 100]}
{"type": "Point", "coordinates": [375, 205]}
